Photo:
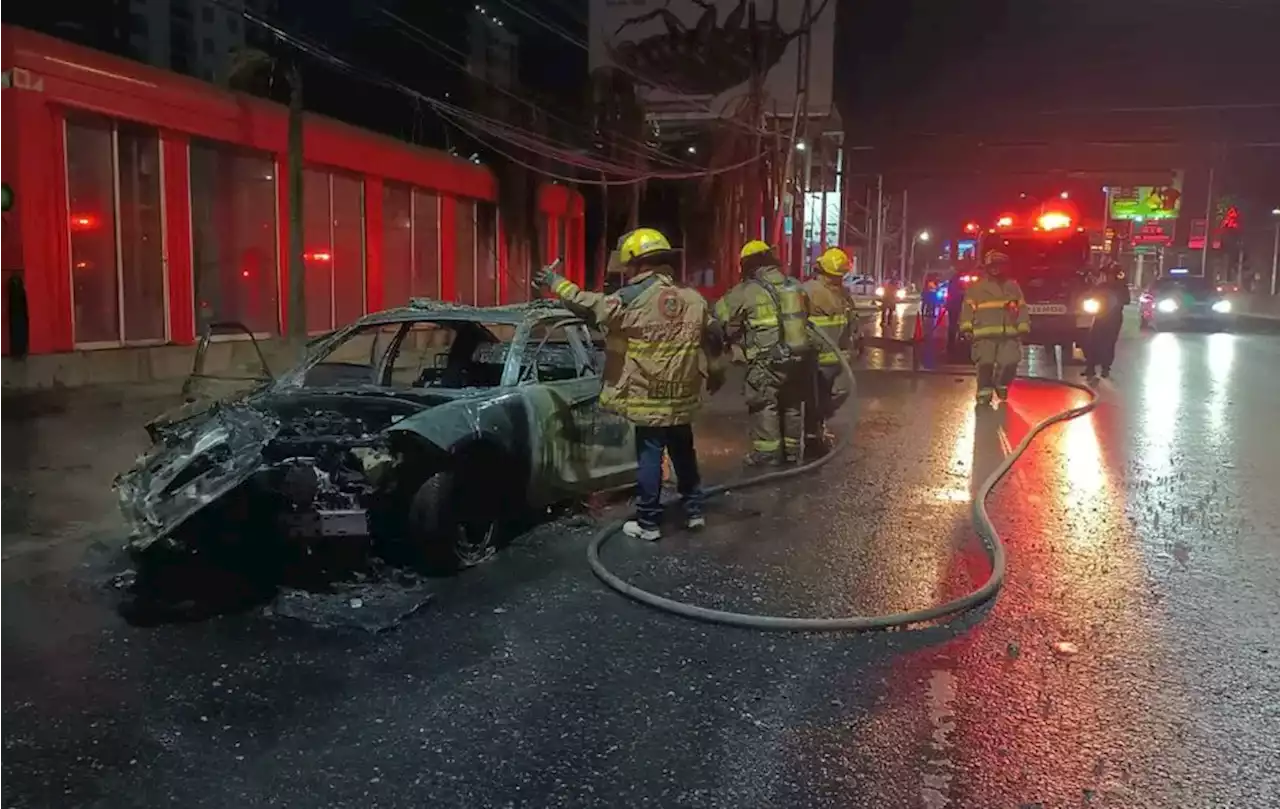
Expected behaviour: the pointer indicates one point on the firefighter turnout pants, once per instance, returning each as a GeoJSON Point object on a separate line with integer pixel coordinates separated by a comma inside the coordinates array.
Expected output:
{"type": "Point", "coordinates": [774, 397]}
{"type": "Point", "coordinates": [997, 360]}
{"type": "Point", "coordinates": [830, 391]}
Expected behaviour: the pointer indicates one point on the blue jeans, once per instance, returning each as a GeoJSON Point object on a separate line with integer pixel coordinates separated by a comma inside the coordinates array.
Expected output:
{"type": "Point", "coordinates": [676, 441]}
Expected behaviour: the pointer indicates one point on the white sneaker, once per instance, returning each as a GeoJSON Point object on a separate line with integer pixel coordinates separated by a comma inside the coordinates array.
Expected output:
{"type": "Point", "coordinates": [634, 529]}
{"type": "Point", "coordinates": [696, 523]}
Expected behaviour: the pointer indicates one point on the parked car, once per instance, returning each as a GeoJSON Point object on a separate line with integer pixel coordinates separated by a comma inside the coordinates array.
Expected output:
{"type": "Point", "coordinates": [424, 429]}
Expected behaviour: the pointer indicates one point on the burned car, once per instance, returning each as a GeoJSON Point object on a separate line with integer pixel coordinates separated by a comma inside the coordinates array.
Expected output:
{"type": "Point", "coordinates": [422, 430]}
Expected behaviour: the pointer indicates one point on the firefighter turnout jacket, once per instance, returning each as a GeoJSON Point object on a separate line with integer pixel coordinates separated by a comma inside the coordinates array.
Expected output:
{"type": "Point", "coordinates": [766, 314]}
{"type": "Point", "coordinates": [658, 351]}
{"type": "Point", "coordinates": [994, 309]}
{"type": "Point", "coordinates": [831, 312]}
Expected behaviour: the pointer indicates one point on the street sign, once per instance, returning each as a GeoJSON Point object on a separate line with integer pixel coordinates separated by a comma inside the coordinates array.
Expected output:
{"type": "Point", "coordinates": [1154, 232]}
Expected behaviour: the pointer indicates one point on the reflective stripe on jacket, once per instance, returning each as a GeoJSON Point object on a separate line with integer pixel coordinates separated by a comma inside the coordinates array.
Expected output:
{"type": "Point", "coordinates": [831, 312]}
{"type": "Point", "coordinates": [656, 351]}
{"type": "Point", "coordinates": [994, 308]}
{"type": "Point", "coordinates": [749, 316]}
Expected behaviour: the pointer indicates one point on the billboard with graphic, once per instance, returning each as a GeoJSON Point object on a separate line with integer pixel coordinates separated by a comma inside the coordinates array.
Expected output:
{"type": "Point", "coordinates": [1142, 202]}
{"type": "Point", "coordinates": [694, 59]}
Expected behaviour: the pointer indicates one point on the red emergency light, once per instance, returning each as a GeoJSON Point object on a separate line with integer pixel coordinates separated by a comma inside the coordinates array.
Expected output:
{"type": "Point", "coordinates": [1005, 221]}
{"type": "Point", "coordinates": [971, 227]}
{"type": "Point", "coordinates": [83, 221]}
{"type": "Point", "coordinates": [318, 255]}
{"type": "Point", "coordinates": [1054, 220]}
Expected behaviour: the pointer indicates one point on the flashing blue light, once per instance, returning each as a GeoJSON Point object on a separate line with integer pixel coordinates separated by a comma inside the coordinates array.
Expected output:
{"type": "Point", "coordinates": [1178, 271]}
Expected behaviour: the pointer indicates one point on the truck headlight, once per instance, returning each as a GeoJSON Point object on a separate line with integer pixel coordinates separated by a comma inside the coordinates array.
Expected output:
{"type": "Point", "coordinates": [1222, 307]}
{"type": "Point", "coordinates": [902, 294]}
{"type": "Point", "coordinates": [879, 292]}
{"type": "Point", "coordinates": [1167, 305]}
{"type": "Point", "coordinates": [1090, 306]}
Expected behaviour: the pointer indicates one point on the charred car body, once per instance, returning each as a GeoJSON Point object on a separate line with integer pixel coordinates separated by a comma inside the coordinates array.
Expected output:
{"type": "Point", "coordinates": [424, 428]}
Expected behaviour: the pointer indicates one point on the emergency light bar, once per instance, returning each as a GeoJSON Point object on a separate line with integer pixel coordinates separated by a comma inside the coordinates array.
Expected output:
{"type": "Point", "coordinates": [1178, 271]}
{"type": "Point", "coordinates": [1054, 220]}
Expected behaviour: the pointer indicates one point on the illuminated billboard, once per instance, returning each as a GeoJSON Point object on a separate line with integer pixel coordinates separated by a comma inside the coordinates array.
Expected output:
{"type": "Point", "coordinates": [1142, 202]}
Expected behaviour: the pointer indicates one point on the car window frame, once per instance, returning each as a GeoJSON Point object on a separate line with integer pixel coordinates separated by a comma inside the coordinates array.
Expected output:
{"type": "Point", "coordinates": [575, 327]}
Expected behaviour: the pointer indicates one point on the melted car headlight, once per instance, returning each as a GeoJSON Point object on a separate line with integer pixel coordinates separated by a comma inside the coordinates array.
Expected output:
{"type": "Point", "coordinates": [1090, 306]}
{"type": "Point", "coordinates": [1167, 305]}
{"type": "Point", "coordinates": [1222, 307]}
{"type": "Point", "coordinates": [902, 294]}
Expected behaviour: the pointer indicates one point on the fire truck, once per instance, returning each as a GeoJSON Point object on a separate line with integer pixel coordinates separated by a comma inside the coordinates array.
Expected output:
{"type": "Point", "coordinates": [1049, 257]}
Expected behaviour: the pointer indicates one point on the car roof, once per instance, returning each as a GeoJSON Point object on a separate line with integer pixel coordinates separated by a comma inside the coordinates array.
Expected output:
{"type": "Point", "coordinates": [511, 314]}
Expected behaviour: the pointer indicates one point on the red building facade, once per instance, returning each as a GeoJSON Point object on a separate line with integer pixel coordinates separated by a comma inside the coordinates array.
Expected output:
{"type": "Point", "coordinates": [146, 202]}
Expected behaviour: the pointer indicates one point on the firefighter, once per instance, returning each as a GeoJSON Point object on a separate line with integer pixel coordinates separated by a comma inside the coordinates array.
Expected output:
{"type": "Point", "coordinates": [661, 347]}
{"type": "Point", "coordinates": [831, 311]}
{"type": "Point", "coordinates": [767, 314]}
{"type": "Point", "coordinates": [995, 314]}
{"type": "Point", "coordinates": [1112, 294]}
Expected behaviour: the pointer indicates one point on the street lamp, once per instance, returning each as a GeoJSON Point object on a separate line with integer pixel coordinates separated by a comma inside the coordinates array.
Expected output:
{"type": "Point", "coordinates": [1275, 250]}
{"type": "Point", "coordinates": [922, 236]}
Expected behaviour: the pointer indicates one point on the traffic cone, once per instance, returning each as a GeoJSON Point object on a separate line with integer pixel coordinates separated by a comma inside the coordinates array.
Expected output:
{"type": "Point", "coordinates": [941, 322]}
{"type": "Point", "coordinates": [917, 336]}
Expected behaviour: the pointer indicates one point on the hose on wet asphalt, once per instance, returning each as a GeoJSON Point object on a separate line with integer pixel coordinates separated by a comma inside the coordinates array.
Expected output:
{"type": "Point", "coordinates": [855, 623]}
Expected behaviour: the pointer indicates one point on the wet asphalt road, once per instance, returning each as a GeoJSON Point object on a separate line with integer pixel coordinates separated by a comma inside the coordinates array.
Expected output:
{"type": "Point", "coordinates": [1133, 659]}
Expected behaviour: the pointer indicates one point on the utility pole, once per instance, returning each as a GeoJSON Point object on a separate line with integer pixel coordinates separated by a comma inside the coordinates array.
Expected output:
{"type": "Point", "coordinates": [1275, 251]}
{"type": "Point", "coordinates": [902, 259]}
{"type": "Point", "coordinates": [1208, 221]}
{"type": "Point", "coordinates": [879, 255]}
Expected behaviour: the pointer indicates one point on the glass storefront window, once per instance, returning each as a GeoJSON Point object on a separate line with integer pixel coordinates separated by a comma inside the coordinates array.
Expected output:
{"type": "Point", "coordinates": [486, 254]}
{"type": "Point", "coordinates": [317, 249]}
{"type": "Point", "coordinates": [464, 265]}
{"type": "Point", "coordinates": [141, 234]}
{"type": "Point", "coordinates": [116, 231]}
{"type": "Point", "coordinates": [233, 236]}
{"type": "Point", "coordinates": [91, 202]}
{"type": "Point", "coordinates": [397, 244]}
{"type": "Point", "coordinates": [425, 282]}
{"type": "Point", "coordinates": [348, 248]}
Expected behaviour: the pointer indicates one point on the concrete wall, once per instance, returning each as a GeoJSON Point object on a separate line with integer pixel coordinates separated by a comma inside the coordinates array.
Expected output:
{"type": "Point", "coordinates": [137, 365]}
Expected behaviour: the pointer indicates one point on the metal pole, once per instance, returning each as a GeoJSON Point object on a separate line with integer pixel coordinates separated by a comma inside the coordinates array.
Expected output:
{"type": "Point", "coordinates": [1275, 257]}
{"type": "Point", "coordinates": [1208, 219]}
{"type": "Point", "coordinates": [810, 144]}
{"type": "Point", "coordinates": [902, 257]}
{"type": "Point", "coordinates": [879, 259]}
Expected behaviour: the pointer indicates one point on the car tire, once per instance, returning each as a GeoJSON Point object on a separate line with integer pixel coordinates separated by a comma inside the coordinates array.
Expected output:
{"type": "Point", "coordinates": [441, 538]}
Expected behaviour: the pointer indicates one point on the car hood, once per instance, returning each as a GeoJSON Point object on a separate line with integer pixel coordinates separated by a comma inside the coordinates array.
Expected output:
{"type": "Point", "coordinates": [191, 465]}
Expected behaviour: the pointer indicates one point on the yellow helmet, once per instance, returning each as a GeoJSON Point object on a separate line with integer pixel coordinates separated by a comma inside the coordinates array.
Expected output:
{"type": "Point", "coordinates": [640, 243]}
{"type": "Point", "coordinates": [995, 257]}
{"type": "Point", "coordinates": [834, 262]}
{"type": "Point", "coordinates": [754, 247]}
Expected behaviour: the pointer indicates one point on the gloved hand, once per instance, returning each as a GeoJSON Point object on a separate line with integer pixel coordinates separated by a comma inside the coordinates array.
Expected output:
{"type": "Point", "coordinates": [546, 277]}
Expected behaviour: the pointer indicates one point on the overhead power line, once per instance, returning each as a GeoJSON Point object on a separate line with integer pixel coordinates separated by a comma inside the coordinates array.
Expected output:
{"type": "Point", "coordinates": [471, 123]}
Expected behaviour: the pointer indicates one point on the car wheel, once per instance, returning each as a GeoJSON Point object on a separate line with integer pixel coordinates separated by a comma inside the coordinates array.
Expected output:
{"type": "Point", "coordinates": [442, 534]}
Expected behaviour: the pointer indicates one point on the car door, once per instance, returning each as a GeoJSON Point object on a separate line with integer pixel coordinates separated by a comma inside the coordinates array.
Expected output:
{"type": "Point", "coordinates": [583, 447]}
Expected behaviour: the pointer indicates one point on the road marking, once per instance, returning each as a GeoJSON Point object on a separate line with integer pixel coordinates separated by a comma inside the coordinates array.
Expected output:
{"type": "Point", "coordinates": [935, 791]}
{"type": "Point", "coordinates": [1005, 446]}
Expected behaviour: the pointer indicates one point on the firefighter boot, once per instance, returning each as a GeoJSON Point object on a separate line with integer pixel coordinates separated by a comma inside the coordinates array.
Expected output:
{"type": "Point", "coordinates": [986, 374]}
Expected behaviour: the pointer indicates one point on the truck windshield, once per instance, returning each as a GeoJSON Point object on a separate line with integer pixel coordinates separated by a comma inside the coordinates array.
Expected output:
{"type": "Point", "coordinates": [1042, 255]}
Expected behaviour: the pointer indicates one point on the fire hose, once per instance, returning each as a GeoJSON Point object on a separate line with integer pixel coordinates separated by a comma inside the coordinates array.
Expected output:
{"type": "Point", "coordinates": [982, 523]}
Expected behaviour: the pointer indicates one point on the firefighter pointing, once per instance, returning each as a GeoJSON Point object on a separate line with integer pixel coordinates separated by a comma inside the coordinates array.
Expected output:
{"type": "Point", "coordinates": [995, 314]}
{"type": "Point", "coordinates": [661, 347]}
{"type": "Point", "coordinates": [767, 314]}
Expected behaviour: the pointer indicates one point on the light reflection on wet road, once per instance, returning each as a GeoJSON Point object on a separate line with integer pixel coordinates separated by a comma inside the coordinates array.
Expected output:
{"type": "Point", "coordinates": [1133, 659]}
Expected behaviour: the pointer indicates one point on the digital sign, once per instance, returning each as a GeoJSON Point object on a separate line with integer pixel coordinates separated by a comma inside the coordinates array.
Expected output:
{"type": "Point", "coordinates": [1142, 202]}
